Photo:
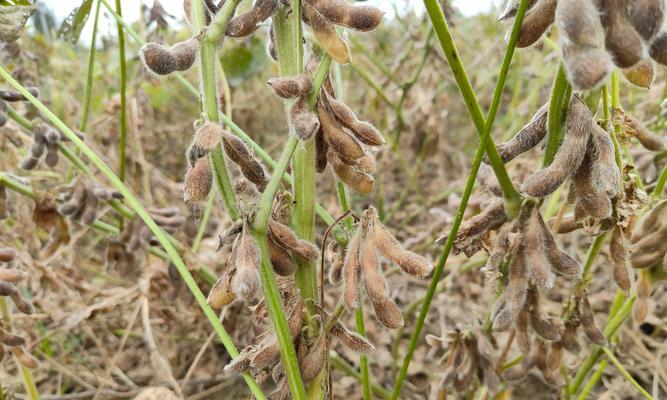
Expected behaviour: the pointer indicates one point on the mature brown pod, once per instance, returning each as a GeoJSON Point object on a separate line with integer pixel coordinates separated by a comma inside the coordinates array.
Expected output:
{"type": "Point", "coordinates": [291, 87]}
{"type": "Point", "coordinates": [375, 283]}
{"type": "Point", "coordinates": [281, 260]}
{"type": "Point", "coordinates": [326, 35]}
{"type": "Point", "coordinates": [13, 96]}
{"type": "Point", "coordinates": [198, 182]}
{"type": "Point", "coordinates": [339, 140]}
{"type": "Point", "coordinates": [321, 149]}
{"type": "Point", "coordinates": [251, 168]}
{"type": "Point", "coordinates": [248, 22]}
{"type": "Point", "coordinates": [7, 254]}
{"type": "Point", "coordinates": [246, 281]}
{"type": "Point", "coordinates": [591, 199]}
{"type": "Point", "coordinates": [207, 137]}
{"type": "Point", "coordinates": [578, 124]}
{"type": "Point", "coordinates": [619, 257]}
{"type": "Point", "coordinates": [352, 270]}
{"type": "Point", "coordinates": [562, 263]}
{"type": "Point", "coordinates": [24, 358]}
{"type": "Point", "coordinates": [646, 16]}
{"type": "Point", "coordinates": [658, 49]}
{"type": "Point", "coordinates": [314, 360]}
{"type": "Point", "coordinates": [621, 38]}
{"type": "Point", "coordinates": [388, 313]}
{"type": "Point", "coordinates": [536, 22]}
{"type": "Point", "coordinates": [164, 60]}
{"type": "Point", "coordinates": [528, 137]}
{"type": "Point", "coordinates": [221, 293]}
{"type": "Point", "coordinates": [10, 275]}
{"type": "Point", "coordinates": [364, 131]}
{"type": "Point", "coordinates": [641, 74]}
{"type": "Point", "coordinates": [340, 12]}
{"type": "Point", "coordinates": [593, 333]}
{"type": "Point", "coordinates": [643, 293]}
{"type": "Point", "coordinates": [587, 69]}
{"type": "Point", "coordinates": [359, 181]}
{"type": "Point", "coordinates": [305, 122]}
{"type": "Point", "coordinates": [539, 268]}
{"type": "Point", "coordinates": [388, 246]}
{"type": "Point", "coordinates": [11, 340]}
{"type": "Point", "coordinates": [286, 238]}
{"type": "Point", "coordinates": [605, 171]}
{"type": "Point", "coordinates": [351, 339]}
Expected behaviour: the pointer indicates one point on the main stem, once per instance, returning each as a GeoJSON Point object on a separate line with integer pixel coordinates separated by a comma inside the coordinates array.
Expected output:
{"type": "Point", "coordinates": [209, 93]}
{"type": "Point", "coordinates": [439, 23]}
{"type": "Point", "coordinates": [122, 142]}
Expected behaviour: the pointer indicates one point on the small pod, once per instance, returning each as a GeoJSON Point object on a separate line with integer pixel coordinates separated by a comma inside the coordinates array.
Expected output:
{"type": "Point", "coordinates": [562, 263]}
{"type": "Point", "coordinates": [251, 168]}
{"type": "Point", "coordinates": [359, 181]}
{"type": "Point", "coordinates": [221, 293]}
{"type": "Point", "coordinates": [24, 358]}
{"type": "Point", "coordinates": [207, 137]}
{"type": "Point", "coordinates": [641, 74]}
{"type": "Point", "coordinates": [539, 268]}
{"type": "Point", "coordinates": [13, 96]}
{"type": "Point", "coordinates": [286, 238]}
{"type": "Point", "coordinates": [352, 340]}
{"type": "Point", "coordinates": [514, 296]}
{"type": "Point", "coordinates": [340, 12]}
{"type": "Point", "coordinates": [326, 35]}
{"type": "Point", "coordinates": [305, 122]}
{"type": "Point", "coordinates": [248, 22]}
{"type": "Point", "coordinates": [352, 271]}
{"type": "Point", "coordinates": [569, 156]}
{"type": "Point", "coordinates": [321, 150]}
{"type": "Point", "coordinates": [528, 137]}
{"type": "Point", "coordinates": [363, 131]}
{"type": "Point", "coordinates": [619, 257]}
{"type": "Point", "coordinates": [593, 333]}
{"type": "Point", "coordinates": [198, 182]}
{"type": "Point", "coordinates": [536, 22]}
{"type": "Point", "coordinates": [281, 260]}
{"type": "Point", "coordinates": [246, 281]}
{"type": "Point", "coordinates": [164, 60]}
{"type": "Point", "coordinates": [340, 141]}
{"type": "Point", "coordinates": [314, 360]}
{"type": "Point", "coordinates": [7, 254]}
{"type": "Point", "coordinates": [291, 87]}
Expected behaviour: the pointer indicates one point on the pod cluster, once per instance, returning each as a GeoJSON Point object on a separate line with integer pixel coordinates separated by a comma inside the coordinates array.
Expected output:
{"type": "Point", "coordinates": [10, 96]}
{"type": "Point", "coordinates": [199, 178]}
{"type": "Point", "coordinates": [595, 35]}
{"type": "Point", "coordinates": [241, 278]}
{"type": "Point", "coordinates": [9, 277]}
{"type": "Point", "coordinates": [45, 143]}
{"type": "Point", "coordinates": [81, 200]}
{"type": "Point", "coordinates": [468, 355]}
{"type": "Point", "coordinates": [362, 264]}
{"type": "Point", "coordinates": [324, 15]}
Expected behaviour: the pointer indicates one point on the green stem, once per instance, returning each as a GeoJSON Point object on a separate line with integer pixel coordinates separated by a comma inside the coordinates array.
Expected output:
{"type": "Point", "coordinates": [595, 378]}
{"type": "Point", "coordinates": [28, 380]}
{"type": "Point", "coordinates": [609, 128]}
{"type": "Point", "coordinates": [660, 185]}
{"type": "Point", "coordinates": [439, 23]}
{"type": "Point", "coordinates": [626, 374]}
{"type": "Point", "coordinates": [139, 209]}
{"type": "Point", "coordinates": [209, 90]}
{"type": "Point", "coordinates": [122, 142]}
{"type": "Point", "coordinates": [557, 107]}
{"type": "Point", "coordinates": [511, 196]}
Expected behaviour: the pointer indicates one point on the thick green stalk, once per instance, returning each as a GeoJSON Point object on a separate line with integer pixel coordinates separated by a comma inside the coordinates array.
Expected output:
{"type": "Point", "coordinates": [28, 380]}
{"type": "Point", "coordinates": [140, 210]}
{"type": "Point", "coordinates": [597, 375]}
{"type": "Point", "coordinates": [438, 19]}
{"type": "Point", "coordinates": [209, 91]}
{"type": "Point", "coordinates": [122, 142]}
{"type": "Point", "coordinates": [557, 107]}
{"type": "Point", "coordinates": [511, 196]}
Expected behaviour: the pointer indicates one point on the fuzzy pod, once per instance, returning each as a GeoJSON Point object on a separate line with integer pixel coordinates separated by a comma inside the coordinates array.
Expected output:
{"type": "Point", "coordinates": [314, 360]}
{"type": "Point", "coordinates": [12, 96]}
{"type": "Point", "coordinates": [366, 164]}
{"type": "Point", "coordinates": [528, 137]}
{"type": "Point", "coordinates": [336, 269]}
{"type": "Point", "coordinates": [641, 74]}
{"type": "Point", "coordinates": [491, 217]}
{"type": "Point", "coordinates": [286, 238]}
{"type": "Point", "coordinates": [605, 171]}
{"type": "Point", "coordinates": [24, 358]}
{"type": "Point", "coordinates": [646, 16]}
{"type": "Point", "coordinates": [569, 336]}
{"type": "Point", "coordinates": [352, 340]}
{"type": "Point", "coordinates": [305, 122]}
{"type": "Point", "coordinates": [248, 22]}
{"type": "Point", "coordinates": [619, 258]}
{"type": "Point", "coordinates": [566, 225]}
{"type": "Point", "coordinates": [562, 263]}
{"type": "Point", "coordinates": [653, 241]}
{"type": "Point", "coordinates": [7, 288]}
{"type": "Point", "coordinates": [90, 213]}
{"type": "Point", "coordinates": [658, 49]}
{"type": "Point", "coordinates": [281, 260]}
{"type": "Point", "coordinates": [536, 22]}
{"type": "Point", "coordinates": [164, 60]}
{"type": "Point", "coordinates": [640, 310]}
{"type": "Point", "coordinates": [10, 275]}
{"type": "Point", "coordinates": [340, 141]}
{"type": "Point", "coordinates": [363, 131]}
{"type": "Point", "coordinates": [389, 247]}
{"type": "Point", "coordinates": [75, 199]}
{"type": "Point", "coordinates": [640, 260]}
{"type": "Point", "coordinates": [359, 181]}
{"type": "Point", "coordinates": [587, 69]}
{"type": "Point", "coordinates": [541, 323]}
{"type": "Point", "coordinates": [11, 340]}
{"type": "Point", "coordinates": [291, 87]}
{"type": "Point", "coordinates": [221, 293]}
{"type": "Point", "coordinates": [593, 333]}
{"type": "Point", "coordinates": [207, 137]}
{"type": "Point", "coordinates": [539, 267]}
{"type": "Point", "coordinates": [340, 12]}
{"type": "Point", "coordinates": [7, 254]}
{"type": "Point", "coordinates": [252, 169]}
{"type": "Point", "coordinates": [388, 313]}
{"type": "Point", "coordinates": [376, 286]}
{"type": "Point", "coordinates": [326, 35]}
{"type": "Point", "coordinates": [22, 305]}
{"type": "Point", "coordinates": [246, 281]}
{"type": "Point", "coordinates": [352, 271]}
{"type": "Point", "coordinates": [321, 150]}
{"type": "Point", "coordinates": [591, 199]}
{"type": "Point", "coordinates": [621, 38]}
{"type": "Point", "coordinates": [578, 124]}
{"type": "Point", "coordinates": [514, 296]}
{"type": "Point", "coordinates": [653, 217]}
{"type": "Point", "coordinates": [511, 8]}
{"type": "Point", "coordinates": [198, 182]}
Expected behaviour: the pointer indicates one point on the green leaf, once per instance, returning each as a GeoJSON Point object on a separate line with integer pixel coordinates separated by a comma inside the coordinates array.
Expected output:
{"type": "Point", "coordinates": [71, 28]}
{"type": "Point", "coordinates": [243, 61]}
